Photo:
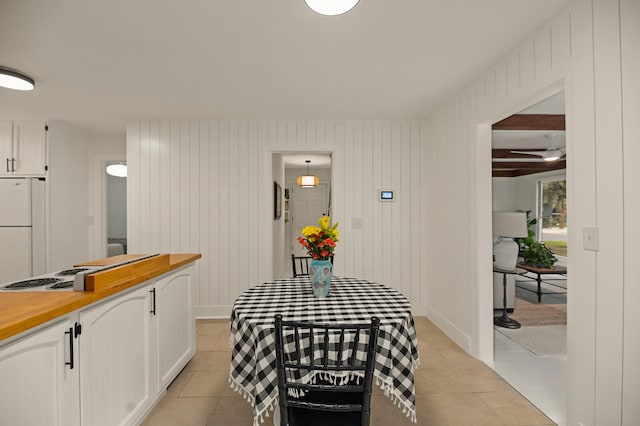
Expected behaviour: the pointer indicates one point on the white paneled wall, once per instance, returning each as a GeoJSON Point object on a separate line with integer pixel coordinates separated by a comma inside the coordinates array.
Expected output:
{"type": "Point", "coordinates": [586, 51]}
{"type": "Point", "coordinates": [207, 187]}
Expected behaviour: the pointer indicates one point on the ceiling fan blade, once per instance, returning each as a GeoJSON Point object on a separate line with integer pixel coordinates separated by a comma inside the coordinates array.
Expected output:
{"type": "Point", "coordinates": [538, 153]}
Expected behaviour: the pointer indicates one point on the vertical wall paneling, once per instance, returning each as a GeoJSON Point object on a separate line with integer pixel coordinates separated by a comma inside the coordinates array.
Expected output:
{"type": "Point", "coordinates": [348, 189]}
{"type": "Point", "coordinates": [404, 276]}
{"type": "Point", "coordinates": [396, 207]}
{"type": "Point", "coordinates": [174, 188]}
{"type": "Point", "coordinates": [201, 186]}
{"type": "Point", "coordinates": [368, 192]}
{"type": "Point", "coordinates": [630, 31]}
{"type": "Point", "coordinates": [145, 213]}
{"type": "Point", "coordinates": [165, 182]}
{"type": "Point", "coordinates": [609, 192]}
{"type": "Point", "coordinates": [527, 65]}
{"type": "Point", "coordinates": [513, 74]}
{"type": "Point", "coordinates": [542, 53]}
{"type": "Point", "coordinates": [360, 251]}
{"type": "Point", "coordinates": [133, 185]}
{"type": "Point", "coordinates": [581, 303]}
{"type": "Point", "coordinates": [203, 292]}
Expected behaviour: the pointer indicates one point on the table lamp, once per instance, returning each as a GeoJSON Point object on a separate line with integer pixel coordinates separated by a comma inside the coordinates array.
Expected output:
{"type": "Point", "coordinates": [507, 226]}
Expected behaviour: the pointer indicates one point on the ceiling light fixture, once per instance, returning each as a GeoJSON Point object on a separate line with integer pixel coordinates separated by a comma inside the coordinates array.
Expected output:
{"type": "Point", "coordinates": [12, 79]}
{"type": "Point", "coordinates": [308, 180]}
{"type": "Point", "coordinates": [331, 7]}
{"type": "Point", "coordinates": [118, 170]}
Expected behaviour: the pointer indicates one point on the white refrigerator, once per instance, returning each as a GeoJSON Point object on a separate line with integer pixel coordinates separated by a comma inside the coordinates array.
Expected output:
{"type": "Point", "coordinates": [22, 233]}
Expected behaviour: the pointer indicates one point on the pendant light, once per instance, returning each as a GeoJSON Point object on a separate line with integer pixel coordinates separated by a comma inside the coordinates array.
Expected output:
{"type": "Point", "coordinates": [308, 180]}
{"type": "Point", "coordinates": [119, 170]}
{"type": "Point", "coordinates": [331, 7]}
{"type": "Point", "coordinates": [12, 79]}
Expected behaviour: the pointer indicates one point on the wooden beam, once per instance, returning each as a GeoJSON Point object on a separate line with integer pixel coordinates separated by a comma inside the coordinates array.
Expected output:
{"type": "Point", "coordinates": [523, 168]}
{"type": "Point", "coordinates": [529, 165]}
{"type": "Point", "coordinates": [531, 122]}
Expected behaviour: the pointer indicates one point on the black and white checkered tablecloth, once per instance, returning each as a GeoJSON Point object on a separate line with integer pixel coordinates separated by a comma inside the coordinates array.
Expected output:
{"type": "Point", "coordinates": [253, 361]}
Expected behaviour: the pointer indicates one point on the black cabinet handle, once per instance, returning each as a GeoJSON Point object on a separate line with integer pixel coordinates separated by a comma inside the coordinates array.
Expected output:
{"type": "Point", "coordinates": [13, 164]}
{"type": "Point", "coordinates": [70, 363]}
{"type": "Point", "coordinates": [153, 300]}
{"type": "Point", "coordinates": [8, 169]}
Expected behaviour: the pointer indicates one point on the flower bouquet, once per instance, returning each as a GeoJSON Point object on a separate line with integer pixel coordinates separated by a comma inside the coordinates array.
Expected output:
{"type": "Point", "coordinates": [320, 242]}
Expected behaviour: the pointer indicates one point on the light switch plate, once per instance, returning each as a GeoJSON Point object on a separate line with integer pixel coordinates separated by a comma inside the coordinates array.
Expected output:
{"type": "Point", "coordinates": [590, 239]}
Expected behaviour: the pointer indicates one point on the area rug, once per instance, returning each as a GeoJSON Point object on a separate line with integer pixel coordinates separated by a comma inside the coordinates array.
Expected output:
{"type": "Point", "coordinates": [541, 340]}
{"type": "Point", "coordinates": [538, 314]}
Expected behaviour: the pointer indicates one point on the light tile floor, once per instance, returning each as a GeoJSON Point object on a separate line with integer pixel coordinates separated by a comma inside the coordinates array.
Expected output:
{"type": "Point", "coordinates": [452, 388]}
{"type": "Point", "coordinates": [541, 379]}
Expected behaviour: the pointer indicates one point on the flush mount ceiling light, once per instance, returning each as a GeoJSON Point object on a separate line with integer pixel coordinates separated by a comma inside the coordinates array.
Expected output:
{"type": "Point", "coordinates": [12, 79]}
{"type": "Point", "coordinates": [119, 170]}
{"type": "Point", "coordinates": [331, 7]}
{"type": "Point", "coordinates": [308, 180]}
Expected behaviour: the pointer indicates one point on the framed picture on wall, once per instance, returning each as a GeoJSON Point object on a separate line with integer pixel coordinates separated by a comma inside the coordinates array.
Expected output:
{"type": "Point", "coordinates": [277, 201]}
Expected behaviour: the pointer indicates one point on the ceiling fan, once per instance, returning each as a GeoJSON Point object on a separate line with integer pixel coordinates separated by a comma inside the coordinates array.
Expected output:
{"type": "Point", "coordinates": [550, 154]}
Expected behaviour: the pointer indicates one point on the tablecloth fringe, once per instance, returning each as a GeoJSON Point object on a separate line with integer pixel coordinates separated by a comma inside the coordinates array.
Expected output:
{"type": "Point", "coordinates": [241, 390]}
{"type": "Point", "coordinates": [258, 417]}
{"type": "Point", "coordinates": [390, 391]}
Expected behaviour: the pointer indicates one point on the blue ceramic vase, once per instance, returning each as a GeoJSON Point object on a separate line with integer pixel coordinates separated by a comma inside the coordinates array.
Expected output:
{"type": "Point", "coordinates": [320, 274]}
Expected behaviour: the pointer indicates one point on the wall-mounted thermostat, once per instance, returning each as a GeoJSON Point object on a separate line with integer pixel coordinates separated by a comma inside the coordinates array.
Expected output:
{"type": "Point", "coordinates": [386, 195]}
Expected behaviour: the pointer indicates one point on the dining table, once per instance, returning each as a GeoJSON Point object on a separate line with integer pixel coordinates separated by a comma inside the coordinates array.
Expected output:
{"type": "Point", "coordinates": [252, 335]}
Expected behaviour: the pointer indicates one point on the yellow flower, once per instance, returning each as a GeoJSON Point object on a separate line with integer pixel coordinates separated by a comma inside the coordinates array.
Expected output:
{"type": "Point", "coordinates": [310, 230]}
{"type": "Point", "coordinates": [324, 222]}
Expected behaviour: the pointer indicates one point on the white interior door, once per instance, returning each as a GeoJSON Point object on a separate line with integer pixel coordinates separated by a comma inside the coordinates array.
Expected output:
{"type": "Point", "coordinates": [306, 206]}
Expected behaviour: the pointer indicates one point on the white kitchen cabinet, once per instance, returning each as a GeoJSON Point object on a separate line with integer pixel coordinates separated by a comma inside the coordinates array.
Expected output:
{"type": "Point", "coordinates": [39, 384]}
{"type": "Point", "coordinates": [175, 324]}
{"type": "Point", "coordinates": [23, 148]}
{"type": "Point", "coordinates": [116, 359]}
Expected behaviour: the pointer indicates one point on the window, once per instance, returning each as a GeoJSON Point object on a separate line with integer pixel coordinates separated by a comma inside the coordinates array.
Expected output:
{"type": "Point", "coordinates": [552, 214]}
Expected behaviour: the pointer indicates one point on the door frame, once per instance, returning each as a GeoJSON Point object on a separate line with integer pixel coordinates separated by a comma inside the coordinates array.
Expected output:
{"type": "Point", "coordinates": [482, 215]}
{"type": "Point", "coordinates": [265, 272]}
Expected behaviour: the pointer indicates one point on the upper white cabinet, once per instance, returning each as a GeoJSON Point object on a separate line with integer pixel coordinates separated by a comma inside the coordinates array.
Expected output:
{"type": "Point", "coordinates": [39, 385]}
{"type": "Point", "coordinates": [175, 321]}
{"type": "Point", "coordinates": [23, 148]}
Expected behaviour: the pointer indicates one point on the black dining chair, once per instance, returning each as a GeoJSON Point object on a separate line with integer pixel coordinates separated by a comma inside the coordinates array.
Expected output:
{"type": "Point", "coordinates": [300, 265]}
{"type": "Point", "coordinates": [325, 372]}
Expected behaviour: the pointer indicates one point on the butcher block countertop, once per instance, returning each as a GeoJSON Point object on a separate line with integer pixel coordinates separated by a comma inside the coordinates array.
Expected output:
{"type": "Point", "coordinates": [23, 310]}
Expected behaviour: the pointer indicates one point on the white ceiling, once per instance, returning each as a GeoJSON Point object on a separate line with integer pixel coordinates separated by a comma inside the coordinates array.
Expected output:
{"type": "Point", "coordinates": [100, 63]}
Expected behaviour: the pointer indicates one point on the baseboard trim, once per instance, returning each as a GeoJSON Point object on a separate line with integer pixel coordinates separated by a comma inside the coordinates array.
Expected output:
{"type": "Point", "coordinates": [454, 333]}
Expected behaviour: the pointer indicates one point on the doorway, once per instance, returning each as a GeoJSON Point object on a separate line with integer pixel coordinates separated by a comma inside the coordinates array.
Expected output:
{"type": "Point", "coordinates": [302, 205]}
{"type": "Point", "coordinates": [528, 177]}
{"type": "Point", "coordinates": [116, 207]}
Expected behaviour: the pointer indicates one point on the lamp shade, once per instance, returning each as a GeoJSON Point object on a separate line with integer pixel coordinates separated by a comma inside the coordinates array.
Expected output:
{"type": "Point", "coordinates": [510, 224]}
{"type": "Point", "coordinates": [308, 181]}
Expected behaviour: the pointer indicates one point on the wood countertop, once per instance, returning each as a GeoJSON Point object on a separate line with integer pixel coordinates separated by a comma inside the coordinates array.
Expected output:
{"type": "Point", "coordinates": [23, 310]}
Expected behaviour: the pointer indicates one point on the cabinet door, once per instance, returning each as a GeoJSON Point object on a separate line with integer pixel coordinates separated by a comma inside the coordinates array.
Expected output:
{"type": "Point", "coordinates": [29, 148]}
{"type": "Point", "coordinates": [175, 324]}
{"type": "Point", "coordinates": [116, 360]}
{"type": "Point", "coordinates": [6, 147]}
{"type": "Point", "coordinates": [38, 387]}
